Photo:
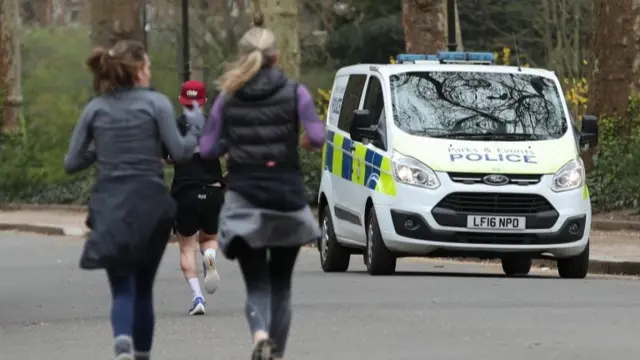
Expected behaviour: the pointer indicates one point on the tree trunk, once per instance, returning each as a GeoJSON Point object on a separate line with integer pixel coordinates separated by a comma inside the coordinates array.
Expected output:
{"type": "Point", "coordinates": [281, 16]}
{"type": "Point", "coordinates": [113, 20]}
{"type": "Point", "coordinates": [424, 23]}
{"type": "Point", "coordinates": [611, 58]}
{"type": "Point", "coordinates": [610, 63]}
{"type": "Point", "coordinates": [10, 64]}
{"type": "Point", "coordinates": [635, 41]}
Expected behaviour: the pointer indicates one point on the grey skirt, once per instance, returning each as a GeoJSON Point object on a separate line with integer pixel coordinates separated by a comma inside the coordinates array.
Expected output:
{"type": "Point", "coordinates": [258, 228]}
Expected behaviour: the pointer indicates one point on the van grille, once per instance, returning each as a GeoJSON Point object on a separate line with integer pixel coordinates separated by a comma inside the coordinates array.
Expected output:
{"type": "Point", "coordinates": [476, 178]}
{"type": "Point", "coordinates": [495, 203]}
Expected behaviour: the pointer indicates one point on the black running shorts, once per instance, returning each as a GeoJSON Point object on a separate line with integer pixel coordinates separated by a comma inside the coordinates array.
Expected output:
{"type": "Point", "coordinates": [198, 209]}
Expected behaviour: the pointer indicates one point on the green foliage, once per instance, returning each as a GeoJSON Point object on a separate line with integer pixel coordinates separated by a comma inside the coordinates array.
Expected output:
{"type": "Point", "coordinates": [14, 159]}
{"type": "Point", "coordinates": [615, 181]}
{"type": "Point", "coordinates": [56, 87]}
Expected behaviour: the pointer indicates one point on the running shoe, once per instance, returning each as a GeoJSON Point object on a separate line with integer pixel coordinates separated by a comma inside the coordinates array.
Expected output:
{"type": "Point", "coordinates": [123, 348]}
{"type": "Point", "coordinates": [211, 277]}
{"type": "Point", "coordinates": [262, 350]}
{"type": "Point", "coordinates": [198, 307]}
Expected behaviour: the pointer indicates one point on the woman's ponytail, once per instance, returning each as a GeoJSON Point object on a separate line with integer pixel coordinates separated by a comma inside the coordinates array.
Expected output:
{"type": "Point", "coordinates": [116, 67]}
{"type": "Point", "coordinates": [256, 49]}
{"type": "Point", "coordinates": [241, 71]}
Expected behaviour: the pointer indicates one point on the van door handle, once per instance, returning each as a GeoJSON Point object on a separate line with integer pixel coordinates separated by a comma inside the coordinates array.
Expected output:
{"type": "Point", "coordinates": [352, 148]}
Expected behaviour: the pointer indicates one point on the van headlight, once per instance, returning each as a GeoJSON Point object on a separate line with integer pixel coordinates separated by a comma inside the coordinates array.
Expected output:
{"type": "Point", "coordinates": [410, 171]}
{"type": "Point", "coordinates": [569, 177]}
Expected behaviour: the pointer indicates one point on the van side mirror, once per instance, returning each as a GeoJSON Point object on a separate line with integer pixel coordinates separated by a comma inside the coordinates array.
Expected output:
{"type": "Point", "coordinates": [589, 132]}
{"type": "Point", "coordinates": [362, 127]}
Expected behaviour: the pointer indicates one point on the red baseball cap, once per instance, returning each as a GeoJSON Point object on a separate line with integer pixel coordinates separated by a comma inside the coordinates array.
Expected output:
{"type": "Point", "coordinates": [191, 91]}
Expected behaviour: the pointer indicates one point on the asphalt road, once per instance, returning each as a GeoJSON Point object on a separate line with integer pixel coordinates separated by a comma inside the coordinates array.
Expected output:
{"type": "Point", "coordinates": [49, 309]}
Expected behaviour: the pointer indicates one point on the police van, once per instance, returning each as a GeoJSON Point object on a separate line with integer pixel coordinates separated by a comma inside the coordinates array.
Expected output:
{"type": "Point", "coordinates": [451, 155]}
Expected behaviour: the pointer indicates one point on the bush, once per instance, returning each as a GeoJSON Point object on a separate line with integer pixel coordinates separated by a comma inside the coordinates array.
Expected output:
{"type": "Point", "coordinates": [615, 181]}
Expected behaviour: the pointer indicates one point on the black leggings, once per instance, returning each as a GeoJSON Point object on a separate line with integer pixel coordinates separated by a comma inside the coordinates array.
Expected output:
{"type": "Point", "coordinates": [267, 275]}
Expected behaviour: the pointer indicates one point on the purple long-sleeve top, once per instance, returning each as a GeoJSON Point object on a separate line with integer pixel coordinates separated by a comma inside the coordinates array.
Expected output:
{"type": "Point", "coordinates": [211, 146]}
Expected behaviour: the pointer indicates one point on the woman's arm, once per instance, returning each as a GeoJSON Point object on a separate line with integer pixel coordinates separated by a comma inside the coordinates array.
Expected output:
{"type": "Point", "coordinates": [211, 143]}
{"type": "Point", "coordinates": [314, 128]}
{"type": "Point", "coordinates": [180, 148]}
{"type": "Point", "coordinates": [81, 153]}
{"type": "Point", "coordinates": [164, 153]}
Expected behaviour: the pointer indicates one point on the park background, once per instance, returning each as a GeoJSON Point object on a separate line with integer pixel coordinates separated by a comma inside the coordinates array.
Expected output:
{"type": "Point", "coordinates": [593, 45]}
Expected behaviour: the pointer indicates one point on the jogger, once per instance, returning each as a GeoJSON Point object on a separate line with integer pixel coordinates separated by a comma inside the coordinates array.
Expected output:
{"type": "Point", "coordinates": [265, 218]}
{"type": "Point", "coordinates": [197, 189]}
{"type": "Point", "coordinates": [130, 209]}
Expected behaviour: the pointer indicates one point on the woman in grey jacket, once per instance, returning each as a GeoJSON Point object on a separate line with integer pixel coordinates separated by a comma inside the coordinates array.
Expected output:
{"type": "Point", "coordinates": [130, 210]}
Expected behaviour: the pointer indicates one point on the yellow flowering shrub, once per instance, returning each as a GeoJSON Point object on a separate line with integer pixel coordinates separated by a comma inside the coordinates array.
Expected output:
{"type": "Point", "coordinates": [575, 93]}
{"type": "Point", "coordinates": [322, 102]}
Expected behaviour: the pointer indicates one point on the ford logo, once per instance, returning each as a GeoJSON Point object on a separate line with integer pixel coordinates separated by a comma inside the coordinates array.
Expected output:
{"type": "Point", "coordinates": [496, 180]}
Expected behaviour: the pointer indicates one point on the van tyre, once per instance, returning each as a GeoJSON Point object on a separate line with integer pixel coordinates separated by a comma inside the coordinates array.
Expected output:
{"type": "Point", "coordinates": [575, 267]}
{"type": "Point", "coordinates": [333, 256]}
{"type": "Point", "coordinates": [516, 265]}
{"type": "Point", "coordinates": [378, 259]}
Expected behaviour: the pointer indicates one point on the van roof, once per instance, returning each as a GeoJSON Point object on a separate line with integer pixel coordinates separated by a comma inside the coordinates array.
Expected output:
{"type": "Point", "coordinates": [391, 69]}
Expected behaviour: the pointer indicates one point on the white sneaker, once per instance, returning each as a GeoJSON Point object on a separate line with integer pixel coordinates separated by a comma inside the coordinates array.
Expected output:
{"type": "Point", "coordinates": [211, 277]}
{"type": "Point", "coordinates": [198, 307]}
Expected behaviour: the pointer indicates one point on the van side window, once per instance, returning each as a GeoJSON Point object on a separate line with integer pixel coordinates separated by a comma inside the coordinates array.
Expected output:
{"type": "Point", "coordinates": [374, 102]}
{"type": "Point", "coordinates": [351, 101]}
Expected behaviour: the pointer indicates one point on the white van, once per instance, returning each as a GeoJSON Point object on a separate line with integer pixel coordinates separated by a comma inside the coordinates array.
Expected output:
{"type": "Point", "coordinates": [449, 155]}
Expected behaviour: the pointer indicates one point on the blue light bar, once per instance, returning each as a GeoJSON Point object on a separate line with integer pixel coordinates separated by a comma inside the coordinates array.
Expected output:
{"type": "Point", "coordinates": [403, 58]}
{"type": "Point", "coordinates": [465, 57]}
{"type": "Point", "coordinates": [445, 57]}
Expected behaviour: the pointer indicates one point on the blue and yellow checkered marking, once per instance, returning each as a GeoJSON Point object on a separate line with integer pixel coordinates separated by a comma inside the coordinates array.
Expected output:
{"type": "Point", "coordinates": [375, 168]}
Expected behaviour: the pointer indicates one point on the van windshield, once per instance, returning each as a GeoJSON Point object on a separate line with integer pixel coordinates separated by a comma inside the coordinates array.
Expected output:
{"type": "Point", "coordinates": [477, 106]}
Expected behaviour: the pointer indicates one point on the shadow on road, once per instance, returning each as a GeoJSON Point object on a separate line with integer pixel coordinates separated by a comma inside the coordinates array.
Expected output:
{"type": "Point", "coordinates": [457, 274]}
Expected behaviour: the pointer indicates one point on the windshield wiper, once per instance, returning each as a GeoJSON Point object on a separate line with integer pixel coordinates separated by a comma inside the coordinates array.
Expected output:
{"type": "Point", "coordinates": [486, 136]}
{"type": "Point", "coordinates": [503, 136]}
{"type": "Point", "coordinates": [465, 135]}
{"type": "Point", "coordinates": [428, 132]}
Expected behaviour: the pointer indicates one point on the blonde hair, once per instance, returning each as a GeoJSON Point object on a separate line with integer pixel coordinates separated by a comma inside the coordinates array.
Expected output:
{"type": "Point", "coordinates": [256, 48]}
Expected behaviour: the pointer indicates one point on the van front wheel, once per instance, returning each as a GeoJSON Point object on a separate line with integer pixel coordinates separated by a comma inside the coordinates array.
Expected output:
{"type": "Point", "coordinates": [575, 267]}
{"type": "Point", "coordinates": [379, 260]}
{"type": "Point", "coordinates": [333, 256]}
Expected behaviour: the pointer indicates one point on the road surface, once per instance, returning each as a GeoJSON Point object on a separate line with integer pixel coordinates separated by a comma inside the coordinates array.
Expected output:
{"type": "Point", "coordinates": [49, 309]}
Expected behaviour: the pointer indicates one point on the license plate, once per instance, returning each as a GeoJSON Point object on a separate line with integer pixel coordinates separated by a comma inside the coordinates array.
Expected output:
{"type": "Point", "coordinates": [496, 222]}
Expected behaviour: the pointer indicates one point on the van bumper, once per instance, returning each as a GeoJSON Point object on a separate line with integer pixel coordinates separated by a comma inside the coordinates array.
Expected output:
{"type": "Point", "coordinates": [412, 228]}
